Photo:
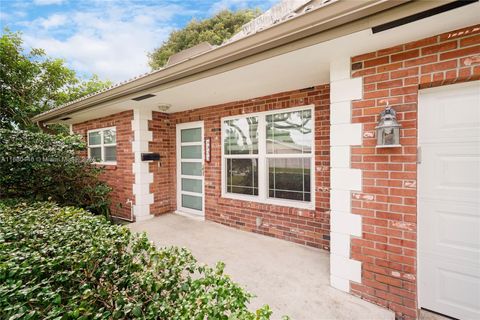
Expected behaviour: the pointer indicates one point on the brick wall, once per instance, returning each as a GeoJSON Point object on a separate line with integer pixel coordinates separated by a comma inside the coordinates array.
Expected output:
{"type": "Point", "coordinates": [119, 176]}
{"type": "Point", "coordinates": [163, 187]}
{"type": "Point", "coordinates": [309, 227]}
{"type": "Point", "coordinates": [387, 204]}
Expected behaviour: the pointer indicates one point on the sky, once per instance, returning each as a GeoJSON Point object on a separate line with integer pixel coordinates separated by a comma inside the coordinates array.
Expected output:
{"type": "Point", "coordinates": [109, 38]}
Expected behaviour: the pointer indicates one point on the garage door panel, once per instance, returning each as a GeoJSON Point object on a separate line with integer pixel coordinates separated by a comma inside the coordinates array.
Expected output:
{"type": "Point", "coordinates": [452, 171]}
{"type": "Point", "coordinates": [453, 231]}
{"type": "Point", "coordinates": [449, 200]}
{"type": "Point", "coordinates": [454, 293]}
{"type": "Point", "coordinates": [446, 123]}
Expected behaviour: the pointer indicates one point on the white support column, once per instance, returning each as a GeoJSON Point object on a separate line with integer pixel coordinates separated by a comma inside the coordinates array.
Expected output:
{"type": "Point", "coordinates": [343, 179]}
{"type": "Point", "coordinates": [143, 177]}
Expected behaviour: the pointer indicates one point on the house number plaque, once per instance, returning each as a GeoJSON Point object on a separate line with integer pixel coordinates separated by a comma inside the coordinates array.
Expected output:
{"type": "Point", "coordinates": [207, 149]}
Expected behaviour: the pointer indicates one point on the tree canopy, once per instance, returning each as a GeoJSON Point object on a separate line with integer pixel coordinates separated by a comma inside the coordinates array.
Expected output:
{"type": "Point", "coordinates": [214, 30]}
{"type": "Point", "coordinates": [31, 83]}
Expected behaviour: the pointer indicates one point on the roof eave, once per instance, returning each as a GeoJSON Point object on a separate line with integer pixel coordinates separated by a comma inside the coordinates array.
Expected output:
{"type": "Point", "coordinates": [316, 21]}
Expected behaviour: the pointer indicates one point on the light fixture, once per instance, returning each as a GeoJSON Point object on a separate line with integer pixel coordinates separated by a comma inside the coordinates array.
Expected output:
{"type": "Point", "coordinates": [164, 107]}
{"type": "Point", "coordinates": [388, 129]}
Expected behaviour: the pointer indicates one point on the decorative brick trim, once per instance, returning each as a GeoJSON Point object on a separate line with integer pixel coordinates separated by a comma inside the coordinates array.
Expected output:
{"type": "Point", "coordinates": [343, 179]}
{"type": "Point", "coordinates": [388, 203]}
{"type": "Point", "coordinates": [143, 177]}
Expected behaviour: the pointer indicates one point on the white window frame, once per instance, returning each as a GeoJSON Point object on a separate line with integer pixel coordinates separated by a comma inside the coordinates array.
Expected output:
{"type": "Point", "coordinates": [262, 162]}
{"type": "Point", "coordinates": [102, 145]}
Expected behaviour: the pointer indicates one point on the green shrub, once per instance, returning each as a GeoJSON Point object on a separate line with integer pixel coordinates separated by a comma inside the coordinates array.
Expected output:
{"type": "Point", "coordinates": [65, 263]}
{"type": "Point", "coordinates": [40, 166]}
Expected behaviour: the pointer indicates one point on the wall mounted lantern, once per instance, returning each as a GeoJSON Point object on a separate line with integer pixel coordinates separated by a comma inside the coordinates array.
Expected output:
{"type": "Point", "coordinates": [388, 129]}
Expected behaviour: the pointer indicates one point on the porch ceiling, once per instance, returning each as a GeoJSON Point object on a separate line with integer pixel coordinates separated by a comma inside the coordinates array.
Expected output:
{"type": "Point", "coordinates": [296, 69]}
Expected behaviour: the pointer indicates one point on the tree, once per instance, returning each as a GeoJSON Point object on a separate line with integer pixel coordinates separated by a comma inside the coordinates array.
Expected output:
{"type": "Point", "coordinates": [214, 30]}
{"type": "Point", "coordinates": [32, 83]}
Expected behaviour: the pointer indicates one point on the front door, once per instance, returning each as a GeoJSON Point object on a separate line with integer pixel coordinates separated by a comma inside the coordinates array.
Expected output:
{"type": "Point", "coordinates": [449, 200]}
{"type": "Point", "coordinates": [190, 184]}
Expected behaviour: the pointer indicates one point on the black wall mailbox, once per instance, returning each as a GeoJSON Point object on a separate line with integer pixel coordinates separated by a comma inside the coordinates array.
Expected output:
{"type": "Point", "coordinates": [150, 156]}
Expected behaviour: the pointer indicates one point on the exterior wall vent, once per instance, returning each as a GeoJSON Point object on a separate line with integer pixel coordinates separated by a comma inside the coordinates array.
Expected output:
{"type": "Point", "coordinates": [146, 96]}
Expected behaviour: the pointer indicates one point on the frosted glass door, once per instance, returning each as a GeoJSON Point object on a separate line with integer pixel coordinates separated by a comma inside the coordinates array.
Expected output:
{"type": "Point", "coordinates": [190, 168]}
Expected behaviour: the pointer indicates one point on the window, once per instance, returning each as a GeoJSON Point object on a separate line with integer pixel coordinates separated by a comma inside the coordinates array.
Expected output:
{"type": "Point", "coordinates": [241, 155]}
{"type": "Point", "coordinates": [268, 157]}
{"type": "Point", "coordinates": [102, 145]}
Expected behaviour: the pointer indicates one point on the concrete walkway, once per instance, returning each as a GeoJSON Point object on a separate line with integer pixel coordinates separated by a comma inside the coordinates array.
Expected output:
{"type": "Point", "coordinates": [292, 279]}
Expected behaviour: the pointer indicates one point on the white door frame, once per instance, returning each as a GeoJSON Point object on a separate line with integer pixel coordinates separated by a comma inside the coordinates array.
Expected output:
{"type": "Point", "coordinates": [180, 209]}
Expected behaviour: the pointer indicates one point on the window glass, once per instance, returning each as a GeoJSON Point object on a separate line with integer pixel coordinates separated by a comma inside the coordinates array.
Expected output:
{"type": "Point", "coordinates": [94, 138]}
{"type": "Point", "coordinates": [242, 176]}
{"type": "Point", "coordinates": [96, 153]}
{"type": "Point", "coordinates": [281, 162]}
{"type": "Point", "coordinates": [192, 185]}
{"type": "Point", "coordinates": [289, 178]}
{"type": "Point", "coordinates": [191, 135]}
{"type": "Point", "coordinates": [192, 168]}
{"type": "Point", "coordinates": [191, 152]}
{"type": "Point", "coordinates": [110, 153]}
{"type": "Point", "coordinates": [109, 136]}
{"type": "Point", "coordinates": [241, 136]}
{"type": "Point", "coordinates": [192, 202]}
{"type": "Point", "coordinates": [289, 132]}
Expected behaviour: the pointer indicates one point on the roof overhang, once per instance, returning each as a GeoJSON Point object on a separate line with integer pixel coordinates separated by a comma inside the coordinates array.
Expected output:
{"type": "Point", "coordinates": [304, 45]}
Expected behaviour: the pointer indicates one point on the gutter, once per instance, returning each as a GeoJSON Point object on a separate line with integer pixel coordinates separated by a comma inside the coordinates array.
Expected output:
{"type": "Point", "coordinates": [316, 21]}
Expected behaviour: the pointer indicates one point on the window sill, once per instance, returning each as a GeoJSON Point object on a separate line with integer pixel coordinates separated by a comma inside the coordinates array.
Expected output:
{"type": "Point", "coordinates": [106, 165]}
{"type": "Point", "coordinates": [281, 203]}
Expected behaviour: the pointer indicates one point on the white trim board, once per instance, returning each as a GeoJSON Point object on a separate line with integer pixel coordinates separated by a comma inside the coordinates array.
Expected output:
{"type": "Point", "coordinates": [343, 179]}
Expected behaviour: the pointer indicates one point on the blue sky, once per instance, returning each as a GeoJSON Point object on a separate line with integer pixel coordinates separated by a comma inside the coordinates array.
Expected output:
{"type": "Point", "coordinates": [110, 38]}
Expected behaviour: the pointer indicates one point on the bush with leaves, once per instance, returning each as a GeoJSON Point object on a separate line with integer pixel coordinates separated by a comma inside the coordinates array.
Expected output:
{"type": "Point", "coordinates": [65, 263]}
{"type": "Point", "coordinates": [40, 166]}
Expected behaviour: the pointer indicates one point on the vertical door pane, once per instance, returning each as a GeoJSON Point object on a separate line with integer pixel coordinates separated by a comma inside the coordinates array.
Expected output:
{"type": "Point", "coordinates": [191, 152]}
{"type": "Point", "coordinates": [191, 168]}
{"type": "Point", "coordinates": [191, 135]}
{"type": "Point", "coordinates": [191, 202]}
{"type": "Point", "coordinates": [192, 185]}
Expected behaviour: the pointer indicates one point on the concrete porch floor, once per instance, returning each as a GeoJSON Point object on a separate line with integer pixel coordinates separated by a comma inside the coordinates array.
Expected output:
{"type": "Point", "coordinates": [292, 279]}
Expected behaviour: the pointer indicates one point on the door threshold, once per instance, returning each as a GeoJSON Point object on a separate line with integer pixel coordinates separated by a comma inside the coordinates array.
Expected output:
{"type": "Point", "coordinates": [435, 315]}
{"type": "Point", "coordinates": [190, 215]}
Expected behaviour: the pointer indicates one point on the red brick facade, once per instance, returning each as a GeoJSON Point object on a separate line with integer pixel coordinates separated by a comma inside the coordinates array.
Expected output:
{"type": "Point", "coordinates": [163, 187]}
{"type": "Point", "coordinates": [388, 247]}
{"type": "Point", "coordinates": [306, 227]}
{"type": "Point", "coordinates": [388, 202]}
{"type": "Point", "coordinates": [119, 176]}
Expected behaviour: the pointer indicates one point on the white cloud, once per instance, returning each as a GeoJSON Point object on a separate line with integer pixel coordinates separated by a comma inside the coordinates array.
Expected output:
{"type": "Point", "coordinates": [112, 42]}
{"type": "Point", "coordinates": [111, 38]}
{"type": "Point", "coordinates": [47, 2]}
{"type": "Point", "coordinates": [239, 4]}
{"type": "Point", "coordinates": [54, 21]}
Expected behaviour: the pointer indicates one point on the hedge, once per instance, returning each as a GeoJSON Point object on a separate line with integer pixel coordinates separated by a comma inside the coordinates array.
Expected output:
{"type": "Point", "coordinates": [65, 263]}
{"type": "Point", "coordinates": [41, 166]}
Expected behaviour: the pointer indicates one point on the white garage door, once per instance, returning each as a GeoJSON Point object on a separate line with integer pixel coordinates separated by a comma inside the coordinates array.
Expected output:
{"type": "Point", "coordinates": [449, 200]}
